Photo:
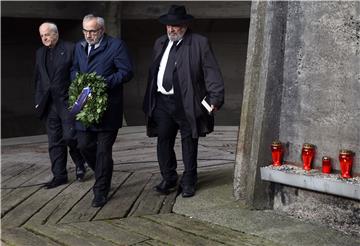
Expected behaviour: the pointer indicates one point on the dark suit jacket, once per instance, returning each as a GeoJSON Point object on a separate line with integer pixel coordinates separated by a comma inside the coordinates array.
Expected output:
{"type": "Point", "coordinates": [112, 61]}
{"type": "Point", "coordinates": [53, 87]}
{"type": "Point", "coordinates": [198, 76]}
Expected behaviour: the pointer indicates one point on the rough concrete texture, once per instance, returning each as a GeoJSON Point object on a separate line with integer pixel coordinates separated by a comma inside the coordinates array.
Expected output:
{"type": "Point", "coordinates": [322, 80]}
{"type": "Point", "coordinates": [337, 212]}
{"type": "Point", "coordinates": [311, 50]}
{"type": "Point", "coordinates": [261, 108]}
{"type": "Point", "coordinates": [214, 203]}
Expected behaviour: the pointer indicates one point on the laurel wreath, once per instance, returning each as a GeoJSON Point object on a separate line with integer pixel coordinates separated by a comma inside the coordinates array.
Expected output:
{"type": "Point", "coordinates": [96, 103]}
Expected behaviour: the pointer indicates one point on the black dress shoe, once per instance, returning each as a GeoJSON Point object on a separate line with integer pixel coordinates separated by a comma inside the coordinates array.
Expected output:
{"type": "Point", "coordinates": [165, 186]}
{"type": "Point", "coordinates": [99, 201]}
{"type": "Point", "coordinates": [80, 173]}
{"type": "Point", "coordinates": [55, 182]}
{"type": "Point", "coordinates": [188, 191]}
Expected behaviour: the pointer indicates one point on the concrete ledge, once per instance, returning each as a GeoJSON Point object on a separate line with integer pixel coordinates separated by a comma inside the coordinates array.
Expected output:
{"type": "Point", "coordinates": [312, 180]}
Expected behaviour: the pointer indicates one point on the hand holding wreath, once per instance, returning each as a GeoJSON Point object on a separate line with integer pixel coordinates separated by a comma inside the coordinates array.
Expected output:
{"type": "Point", "coordinates": [96, 103]}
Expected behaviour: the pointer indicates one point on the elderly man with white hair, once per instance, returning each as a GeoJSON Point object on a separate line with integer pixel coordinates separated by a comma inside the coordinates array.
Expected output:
{"type": "Point", "coordinates": [52, 81]}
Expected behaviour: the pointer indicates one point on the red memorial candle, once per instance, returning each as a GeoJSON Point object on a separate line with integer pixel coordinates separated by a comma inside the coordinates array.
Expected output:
{"type": "Point", "coordinates": [326, 164]}
{"type": "Point", "coordinates": [307, 155]}
{"type": "Point", "coordinates": [346, 161]}
{"type": "Point", "coordinates": [276, 153]}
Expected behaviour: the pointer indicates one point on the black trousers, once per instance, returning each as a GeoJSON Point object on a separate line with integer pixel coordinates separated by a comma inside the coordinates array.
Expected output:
{"type": "Point", "coordinates": [170, 117]}
{"type": "Point", "coordinates": [96, 147]}
{"type": "Point", "coordinates": [61, 135]}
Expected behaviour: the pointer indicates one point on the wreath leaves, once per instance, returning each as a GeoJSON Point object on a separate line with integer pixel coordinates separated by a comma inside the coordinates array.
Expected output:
{"type": "Point", "coordinates": [96, 103]}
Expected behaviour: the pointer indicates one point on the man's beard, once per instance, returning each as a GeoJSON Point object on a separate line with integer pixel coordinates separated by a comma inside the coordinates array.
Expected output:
{"type": "Point", "coordinates": [176, 36]}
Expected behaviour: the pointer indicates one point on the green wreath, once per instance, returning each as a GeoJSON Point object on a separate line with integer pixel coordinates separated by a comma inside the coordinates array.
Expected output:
{"type": "Point", "coordinates": [96, 103]}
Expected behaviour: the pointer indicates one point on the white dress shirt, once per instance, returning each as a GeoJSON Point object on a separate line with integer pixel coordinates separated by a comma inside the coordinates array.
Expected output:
{"type": "Point", "coordinates": [95, 46]}
{"type": "Point", "coordinates": [162, 67]}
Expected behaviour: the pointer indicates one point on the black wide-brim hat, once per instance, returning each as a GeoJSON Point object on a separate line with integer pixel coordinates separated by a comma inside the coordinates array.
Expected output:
{"type": "Point", "coordinates": [176, 16]}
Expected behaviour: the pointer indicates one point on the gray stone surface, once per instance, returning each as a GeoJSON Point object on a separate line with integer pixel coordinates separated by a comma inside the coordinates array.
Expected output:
{"type": "Point", "coordinates": [214, 203]}
{"type": "Point", "coordinates": [313, 180]}
{"type": "Point", "coordinates": [337, 212]}
{"type": "Point", "coordinates": [302, 84]}
{"type": "Point", "coordinates": [321, 91]}
{"type": "Point", "coordinates": [260, 116]}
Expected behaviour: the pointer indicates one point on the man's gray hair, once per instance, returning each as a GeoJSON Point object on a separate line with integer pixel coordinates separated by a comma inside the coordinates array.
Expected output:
{"type": "Point", "coordinates": [52, 26]}
{"type": "Point", "coordinates": [99, 20]}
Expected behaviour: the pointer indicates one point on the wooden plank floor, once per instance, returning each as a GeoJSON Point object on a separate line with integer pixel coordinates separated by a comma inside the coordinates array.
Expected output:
{"type": "Point", "coordinates": [32, 215]}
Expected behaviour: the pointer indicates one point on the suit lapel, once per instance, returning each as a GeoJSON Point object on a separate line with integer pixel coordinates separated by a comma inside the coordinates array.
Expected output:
{"type": "Point", "coordinates": [59, 56]}
{"type": "Point", "coordinates": [43, 71]}
{"type": "Point", "coordinates": [183, 50]}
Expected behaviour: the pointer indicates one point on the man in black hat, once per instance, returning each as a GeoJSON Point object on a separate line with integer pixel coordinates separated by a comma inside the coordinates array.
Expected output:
{"type": "Point", "coordinates": [184, 73]}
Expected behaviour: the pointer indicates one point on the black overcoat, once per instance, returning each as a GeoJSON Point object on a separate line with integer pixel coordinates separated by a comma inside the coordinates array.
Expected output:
{"type": "Point", "coordinates": [53, 87]}
{"type": "Point", "coordinates": [198, 76]}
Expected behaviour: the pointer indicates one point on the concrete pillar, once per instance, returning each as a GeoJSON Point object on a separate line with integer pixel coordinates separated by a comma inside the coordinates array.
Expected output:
{"type": "Point", "coordinates": [112, 19]}
{"type": "Point", "coordinates": [261, 108]}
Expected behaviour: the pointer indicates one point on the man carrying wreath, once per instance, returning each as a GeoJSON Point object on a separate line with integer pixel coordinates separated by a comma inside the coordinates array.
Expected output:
{"type": "Point", "coordinates": [109, 58]}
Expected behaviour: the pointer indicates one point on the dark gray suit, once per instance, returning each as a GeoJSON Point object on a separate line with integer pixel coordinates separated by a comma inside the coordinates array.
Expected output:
{"type": "Point", "coordinates": [52, 81]}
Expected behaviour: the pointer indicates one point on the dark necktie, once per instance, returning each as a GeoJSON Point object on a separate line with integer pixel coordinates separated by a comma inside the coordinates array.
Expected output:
{"type": "Point", "coordinates": [92, 47]}
{"type": "Point", "coordinates": [169, 69]}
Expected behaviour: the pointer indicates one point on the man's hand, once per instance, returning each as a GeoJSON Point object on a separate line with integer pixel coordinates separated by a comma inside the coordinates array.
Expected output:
{"type": "Point", "coordinates": [214, 109]}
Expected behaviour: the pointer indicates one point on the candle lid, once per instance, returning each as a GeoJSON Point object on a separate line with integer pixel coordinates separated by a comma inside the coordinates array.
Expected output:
{"type": "Point", "coordinates": [276, 143]}
{"type": "Point", "coordinates": [308, 146]}
{"type": "Point", "coordinates": [346, 152]}
{"type": "Point", "coordinates": [326, 157]}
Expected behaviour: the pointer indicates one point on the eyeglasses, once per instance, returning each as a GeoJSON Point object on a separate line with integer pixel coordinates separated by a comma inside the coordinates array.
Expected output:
{"type": "Point", "coordinates": [91, 31]}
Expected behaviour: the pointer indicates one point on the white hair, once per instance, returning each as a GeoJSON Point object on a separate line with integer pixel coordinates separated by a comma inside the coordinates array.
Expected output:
{"type": "Point", "coordinates": [51, 26]}
{"type": "Point", "coordinates": [99, 20]}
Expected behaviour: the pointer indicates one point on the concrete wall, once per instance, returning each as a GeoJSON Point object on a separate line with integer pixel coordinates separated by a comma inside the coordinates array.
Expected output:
{"type": "Point", "coordinates": [320, 102]}
{"type": "Point", "coordinates": [302, 84]}
{"type": "Point", "coordinates": [334, 211]}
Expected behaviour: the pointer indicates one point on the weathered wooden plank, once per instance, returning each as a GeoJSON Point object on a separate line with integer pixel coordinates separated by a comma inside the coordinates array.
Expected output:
{"type": "Point", "coordinates": [161, 232]}
{"type": "Point", "coordinates": [214, 232]}
{"type": "Point", "coordinates": [124, 198]}
{"type": "Point", "coordinates": [20, 236]}
{"type": "Point", "coordinates": [168, 203]}
{"type": "Point", "coordinates": [28, 156]}
{"type": "Point", "coordinates": [24, 211]}
{"type": "Point", "coordinates": [151, 242]}
{"type": "Point", "coordinates": [11, 200]}
{"type": "Point", "coordinates": [137, 166]}
{"type": "Point", "coordinates": [2, 243]}
{"type": "Point", "coordinates": [83, 211]}
{"type": "Point", "coordinates": [21, 178]}
{"type": "Point", "coordinates": [57, 208]}
{"type": "Point", "coordinates": [133, 155]}
{"type": "Point", "coordinates": [8, 170]}
{"type": "Point", "coordinates": [68, 235]}
{"type": "Point", "coordinates": [149, 201]}
{"type": "Point", "coordinates": [109, 232]}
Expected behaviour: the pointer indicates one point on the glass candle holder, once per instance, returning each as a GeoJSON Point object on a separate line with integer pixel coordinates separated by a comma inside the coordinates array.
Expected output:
{"type": "Point", "coordinates": [326, 164]}
{"type": "Point", "coordinates": [276, 153]}
{"type": "Point", "coordinates": [346, 161]}
{"type": "Point", "coordinates": [307, 155]}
